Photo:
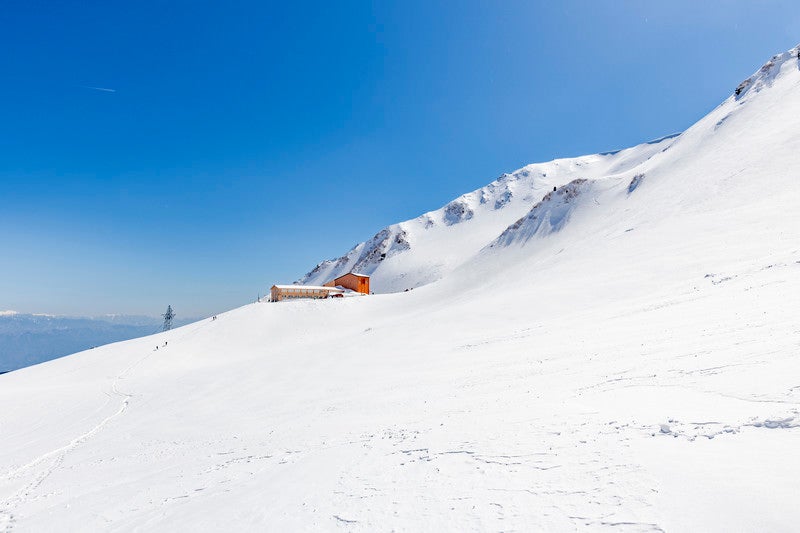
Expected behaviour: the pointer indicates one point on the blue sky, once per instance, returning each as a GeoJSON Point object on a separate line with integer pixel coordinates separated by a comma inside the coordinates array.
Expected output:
{"type": "Point", "coordinates": [242, 142]}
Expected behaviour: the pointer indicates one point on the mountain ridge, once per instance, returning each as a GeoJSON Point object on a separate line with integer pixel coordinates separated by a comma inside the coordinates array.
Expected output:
{"type": "Point", "coordinates": [397, 240]}
{"type": "Point", "coordinates": [504, 200]}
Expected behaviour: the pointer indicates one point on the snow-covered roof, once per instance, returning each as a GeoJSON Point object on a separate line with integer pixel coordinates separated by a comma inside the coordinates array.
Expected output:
{"type": "Point", "coordinates": [312, 287]}
{"type": "Point", "coordinates": [355, 274]}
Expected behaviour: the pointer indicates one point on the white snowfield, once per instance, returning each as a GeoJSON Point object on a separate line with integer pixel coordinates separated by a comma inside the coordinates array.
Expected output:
{"type": "Point", "coordinates": [624, 357]}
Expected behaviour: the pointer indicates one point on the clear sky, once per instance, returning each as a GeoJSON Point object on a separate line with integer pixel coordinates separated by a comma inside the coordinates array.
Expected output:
{"type": "Point", "coordinates": [194, 153]}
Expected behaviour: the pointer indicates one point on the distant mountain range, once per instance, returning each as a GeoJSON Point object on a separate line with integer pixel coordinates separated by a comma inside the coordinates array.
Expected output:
{"type": "Point", "coordinates": [29, 339]}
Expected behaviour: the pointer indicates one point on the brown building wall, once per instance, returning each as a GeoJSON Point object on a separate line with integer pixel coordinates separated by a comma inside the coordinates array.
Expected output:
{"type": "Point", "coordinates": [354, 282]}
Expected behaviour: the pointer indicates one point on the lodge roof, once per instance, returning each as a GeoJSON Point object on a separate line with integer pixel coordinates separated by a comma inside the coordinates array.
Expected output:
{"type": "Point", "coordinates": [353, 274]}
{"type": "Point", "coordinates": [312, 287]}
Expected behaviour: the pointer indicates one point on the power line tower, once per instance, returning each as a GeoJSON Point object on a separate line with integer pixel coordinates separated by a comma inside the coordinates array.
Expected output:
{"type": "Point", "coordinates": [168, 316]}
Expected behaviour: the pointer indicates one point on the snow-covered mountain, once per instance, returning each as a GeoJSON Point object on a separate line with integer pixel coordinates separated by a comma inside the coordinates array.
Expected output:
{"type": "Point", "coordinates": [419, 251]}
{"type": "Point", "coordinates": [425, 249]}
{"type": "Point", "coordinates": [620, 354]}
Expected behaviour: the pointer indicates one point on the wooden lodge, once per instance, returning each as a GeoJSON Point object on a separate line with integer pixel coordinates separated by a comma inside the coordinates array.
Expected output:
{"type": "Point", "coordinates": [286, 292]}
{"type": "Point", "coordinates": [333, 289]}
{"type": "Point", "coordinates": [351, 280]}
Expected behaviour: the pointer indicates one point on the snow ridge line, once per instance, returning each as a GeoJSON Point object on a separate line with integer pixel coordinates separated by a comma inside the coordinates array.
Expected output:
{"type": "Point", "coordinates": [6, 506]}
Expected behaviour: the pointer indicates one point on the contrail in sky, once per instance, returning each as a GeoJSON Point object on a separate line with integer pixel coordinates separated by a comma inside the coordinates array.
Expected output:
{"type": "Point", "coordinates": [99, 89]}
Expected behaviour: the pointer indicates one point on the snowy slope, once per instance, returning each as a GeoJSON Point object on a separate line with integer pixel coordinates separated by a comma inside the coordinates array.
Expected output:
{"type": "Point", "coordinates": [419, 251]}
{"type": "Point", "coordinates": [621, 356]}
{"type": "Point", "coordinates": [27, 339]}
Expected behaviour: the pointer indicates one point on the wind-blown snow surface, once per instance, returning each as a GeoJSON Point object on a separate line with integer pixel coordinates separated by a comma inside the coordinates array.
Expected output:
{"type": "Point", "coordinates": [625, 357]}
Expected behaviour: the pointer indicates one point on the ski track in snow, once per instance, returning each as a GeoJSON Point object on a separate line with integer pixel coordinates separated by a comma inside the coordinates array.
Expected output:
{"type": "Point", "coordinates": [56, 456]}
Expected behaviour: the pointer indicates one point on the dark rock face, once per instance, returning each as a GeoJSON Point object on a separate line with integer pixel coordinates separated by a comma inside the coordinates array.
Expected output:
{"type": "Point", "coordinates": [456, 212]}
